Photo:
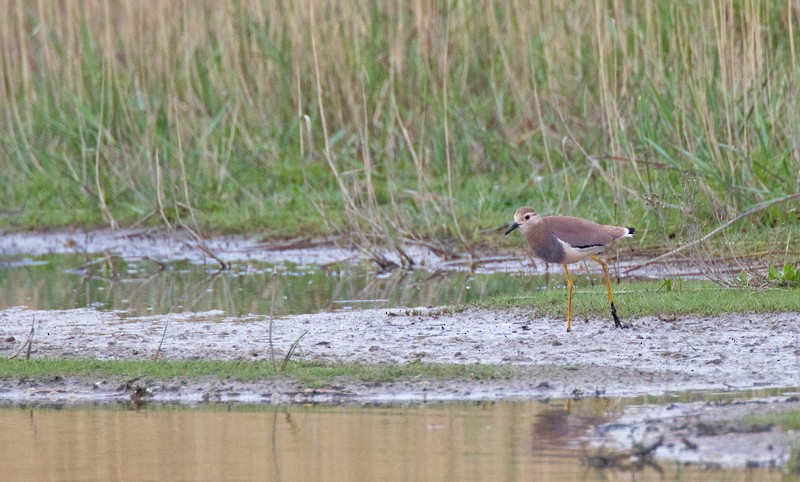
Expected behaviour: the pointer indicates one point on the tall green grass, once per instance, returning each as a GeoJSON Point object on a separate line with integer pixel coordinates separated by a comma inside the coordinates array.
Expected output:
{"type": "Point", "coordinates": [396, 123]}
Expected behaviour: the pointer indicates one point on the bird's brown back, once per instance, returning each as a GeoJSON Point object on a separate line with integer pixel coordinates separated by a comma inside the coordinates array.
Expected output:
{"type": "Point", "coordinates": [581, 232]}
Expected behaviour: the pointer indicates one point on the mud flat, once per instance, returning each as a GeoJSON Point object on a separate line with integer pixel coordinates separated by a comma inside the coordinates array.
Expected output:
{"type": "Point", "coordinates": [728, 352]}
{"type": "Point", "coordinates": [652, 357]}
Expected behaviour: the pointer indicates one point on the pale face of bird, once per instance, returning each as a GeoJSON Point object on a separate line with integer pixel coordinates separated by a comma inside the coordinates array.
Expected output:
{"type": "Point", "coordinates": [525, 219]}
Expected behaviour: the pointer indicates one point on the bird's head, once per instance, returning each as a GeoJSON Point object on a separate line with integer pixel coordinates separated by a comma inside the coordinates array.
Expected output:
{"type": "Point", "coordinates": [525, 218]}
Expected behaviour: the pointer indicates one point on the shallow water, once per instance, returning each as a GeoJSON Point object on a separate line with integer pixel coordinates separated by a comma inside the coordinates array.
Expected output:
{"type": "Point", "coordinates": [155, 272]}
{"type": "Point", "coordinates": [475, 441]}
{"type": "Point", "coordinates": [141, 286]}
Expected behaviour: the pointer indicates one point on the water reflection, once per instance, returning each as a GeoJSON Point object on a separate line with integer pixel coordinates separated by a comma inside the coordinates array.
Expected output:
{"type": "Point", "coordinates": [145, 287]}
{"type": "Point", "coordinates": [477, 441]}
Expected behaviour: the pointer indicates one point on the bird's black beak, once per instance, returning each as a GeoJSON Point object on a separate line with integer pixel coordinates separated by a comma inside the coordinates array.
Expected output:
{"type": "Point", "coordinates": [513, 227]}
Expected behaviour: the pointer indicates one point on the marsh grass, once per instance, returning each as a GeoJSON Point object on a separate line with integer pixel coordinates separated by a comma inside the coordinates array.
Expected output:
{"type": "Point", "coordinates": [395, 124]}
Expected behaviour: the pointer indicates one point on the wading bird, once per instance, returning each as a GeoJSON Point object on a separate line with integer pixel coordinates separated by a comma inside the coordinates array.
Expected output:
{"type": "Point", "coordinates": [566, 240]}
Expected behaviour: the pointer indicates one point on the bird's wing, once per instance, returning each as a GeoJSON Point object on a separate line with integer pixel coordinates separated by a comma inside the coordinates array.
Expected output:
{"type": "Point", "coordinates": [579, 233]}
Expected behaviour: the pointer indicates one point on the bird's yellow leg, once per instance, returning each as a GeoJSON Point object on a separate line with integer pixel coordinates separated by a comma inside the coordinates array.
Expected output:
{"type": "Point", "coordinates": [617, 323]}
{"type": "Point", "coordinates": [569, 298]}
{"type": "Point", "coordinates": [608, 278]}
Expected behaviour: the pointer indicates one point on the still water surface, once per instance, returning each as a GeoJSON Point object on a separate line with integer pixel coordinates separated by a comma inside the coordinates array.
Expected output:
{"type": "Point", "coordinates": [142, 287]}
{"type": "Point", "coordinates": [476, 441]}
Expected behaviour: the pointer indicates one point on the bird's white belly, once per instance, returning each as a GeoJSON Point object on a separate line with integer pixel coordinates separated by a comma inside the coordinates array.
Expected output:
{"type": "Point", "coordinates": [573, 254]}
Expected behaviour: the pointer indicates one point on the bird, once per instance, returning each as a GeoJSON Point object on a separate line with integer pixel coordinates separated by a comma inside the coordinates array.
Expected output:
{"type": "Point", "coordinates": [566, 240]}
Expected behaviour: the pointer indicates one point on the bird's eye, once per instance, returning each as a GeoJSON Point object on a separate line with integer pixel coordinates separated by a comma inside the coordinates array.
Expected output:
{"type": "Point", "coordinates": [527, 216]}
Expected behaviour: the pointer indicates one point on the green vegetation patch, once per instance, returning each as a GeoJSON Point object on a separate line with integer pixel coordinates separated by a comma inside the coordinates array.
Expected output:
{"type": "Point", "coordinates": [789, 420]}
{"type": "Point", "coordinates": [641, 298]}
{"type": "Point", "coordinates": [307, 373]}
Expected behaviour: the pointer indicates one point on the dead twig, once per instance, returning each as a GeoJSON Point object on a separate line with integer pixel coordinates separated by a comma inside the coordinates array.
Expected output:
{"type": "Point", "coordinates": [200, 245]}
{"type": "Point", "coordinates": [275, 281]}
{"type": "Point", "coordinates": [657, 165]}
{"type": "Point", "coordinates": [163, 335]}
{"type": "Point", "coordinates": [28, 343]}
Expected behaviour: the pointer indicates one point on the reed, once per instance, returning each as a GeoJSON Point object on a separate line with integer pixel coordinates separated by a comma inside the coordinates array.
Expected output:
{"type": "Point", "coordinates": [397, 123]}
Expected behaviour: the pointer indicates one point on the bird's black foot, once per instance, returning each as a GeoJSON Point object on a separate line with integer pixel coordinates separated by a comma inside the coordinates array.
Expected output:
{"type": "Point", "coordinates": [617, 323]}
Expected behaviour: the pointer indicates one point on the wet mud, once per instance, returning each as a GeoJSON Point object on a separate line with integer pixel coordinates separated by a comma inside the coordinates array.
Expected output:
{"type": "Point", "coordinates": [653, 356]}
{"type": "Point", "coordinates": [709, 434]}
